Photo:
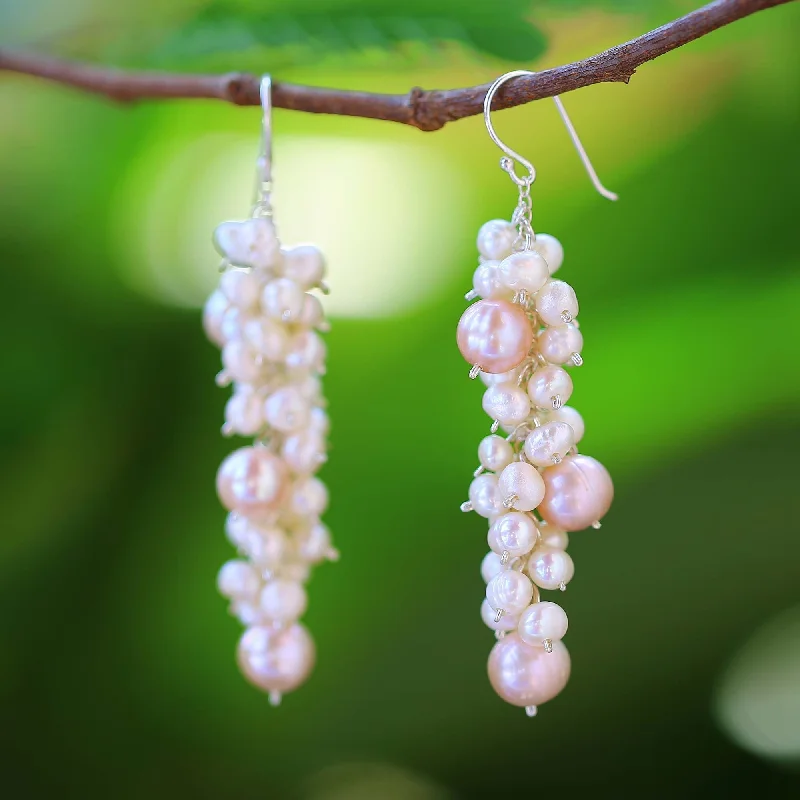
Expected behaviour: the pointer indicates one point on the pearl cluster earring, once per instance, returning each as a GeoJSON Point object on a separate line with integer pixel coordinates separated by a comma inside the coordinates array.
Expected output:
{"type": "Point", "coordinates": [267, 323]}
{"type": "Point", "coordinates": [532, 485]}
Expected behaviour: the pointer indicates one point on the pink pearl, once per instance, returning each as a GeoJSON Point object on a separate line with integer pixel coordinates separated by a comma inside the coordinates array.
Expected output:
{"type": "Point", "coordinates": [251, 481]}
{"type": "Point", "coordinates": [525, 675]}
{"type": "Point", "coordinates": [276, 660]}
{"type": "Point", "coordinates": [494, 334]}
{"type": "Point", "coordinates": [578, 492]}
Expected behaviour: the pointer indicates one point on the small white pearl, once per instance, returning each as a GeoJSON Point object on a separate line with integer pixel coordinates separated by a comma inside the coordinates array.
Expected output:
{"type": "Point", "coordinates": [496, 238]}
{"type": "Point", "coordinates": [265, 547]}
{"type": "Point", "coordinates": [314, 545]}
{"type": "Point", "coordinates": [490, 566]}
{"type": "Point", "coordinates": [513, 533]}
{"type": "Point", "coordinates": [283, 601]}
{"type": "Point", "coordinates": [233, 323]}
{"type": "Point", "coordinates": [557, 344]}
{"type": "Point", "coordinates": [237, 528]}
{"type": "Point", "coordinates": [523, 481]}
{"type": "Point", "coordinates": [241, 287]}
{"type": "Point", "coordinates": [310, 387]}
{"type": "Point", "coordinates": [238, 580]}
{"type": "Point", "coordinates": [486, 281]}
{"type": "Point", "coordinates": [551, 249]}
{"type": "Point", "coordinates": [508, 622]}
{"type": "Point", "coordinates": [267, 337]}
{"type": "Point", "coordinates": [306, 350]}
{"type": "Point", "coordinates": [248, 613]}
{"type": "Point", "coordinates": [320, 421]}
{"type": "Point", "coordinates": [295, 571]}
{"type": "Point", "coordinates": [526, 270]}
{"type": "Point", "coordinates": [507, 403]}
{"type": "Point", "coordinates": [243, 412]}
{"type": "Point", "coordinates": [283, 299]}
{"type": "Point", "coordinates": [484, 495]}
{"type": "Point", "coordinates": [572, 417]}
{"type": "Point", "coordinates": [547, 384]}
{"type": "Point", "coordinates": [309, 498]}
{"type": "Point", "coordinates": [493, 378]}
{"type": "Point", "coordinates": [549, 443]}
{"type": "Point", "coordinates": [304, 264]}
{"type": "Point", "coordinates": [542, 621]}
{"type": "Point", "coordinates": [312, 314]}
{"type": "Point", "coordinates": [286, 410]}
{"type": "Point", "coordinates": [550, 568]}
{"type": "Point", "coordinates": [241, 362]}
{"type": "Point", "coordinates": [509, 591]}
{"type": "Point", "coordinates": [552, 538]}
{"type": "Point", "coordinates": [303, 451]}
{"type": "Point", "coordinates": [553, 300]}
{"type": "Point", "coordinates": [213, 311]}
{"type": "Point", "coordinates": [495, 453]}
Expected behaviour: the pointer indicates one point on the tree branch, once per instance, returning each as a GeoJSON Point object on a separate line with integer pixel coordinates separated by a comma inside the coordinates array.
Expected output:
{"type": "Point", "coordinates": [426, 110]}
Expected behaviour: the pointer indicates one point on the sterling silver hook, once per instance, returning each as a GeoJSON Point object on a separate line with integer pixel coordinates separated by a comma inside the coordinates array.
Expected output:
{"type": "Point", "coordinates": [512, 155]}
{"type": "Point", "coordinates": [263, 204]}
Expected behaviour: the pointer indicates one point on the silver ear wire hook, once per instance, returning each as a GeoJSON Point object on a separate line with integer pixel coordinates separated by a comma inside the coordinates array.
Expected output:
{"type": "Point", "coordinates": [511, 155]}
{"type": "Point", "coordinates": [263, 203]}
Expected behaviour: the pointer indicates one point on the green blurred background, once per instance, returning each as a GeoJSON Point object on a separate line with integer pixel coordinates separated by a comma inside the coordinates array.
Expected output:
{"type": "Point", "coordinates": [117, 676]}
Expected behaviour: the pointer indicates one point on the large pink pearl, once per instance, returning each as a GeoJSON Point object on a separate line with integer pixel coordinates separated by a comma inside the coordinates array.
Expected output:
{"type": "Point", "coordinates": [494, 334]}
{"type": "Point", "coordinates": [578, 492]}
{"type": "Point", "coordinates": [526, 675]}
{"type": "Point", "coordinates": [276, 660]}
{"type": "Point", "coordinates": [252, 481]}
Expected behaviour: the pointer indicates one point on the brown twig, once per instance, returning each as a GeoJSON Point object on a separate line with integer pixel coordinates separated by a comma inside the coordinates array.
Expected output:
{"type": "Point", "coordinates": [426, 110]}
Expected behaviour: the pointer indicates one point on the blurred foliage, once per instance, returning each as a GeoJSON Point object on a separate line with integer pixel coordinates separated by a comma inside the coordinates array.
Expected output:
{"type": "Point", "coordinates": [116, 654]}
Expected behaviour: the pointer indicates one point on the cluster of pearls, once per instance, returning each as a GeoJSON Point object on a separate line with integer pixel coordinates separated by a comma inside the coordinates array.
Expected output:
{"type": "Point", "coordinates": [267, 323]}
{"type": "Point", "coordinates": [532, 485]}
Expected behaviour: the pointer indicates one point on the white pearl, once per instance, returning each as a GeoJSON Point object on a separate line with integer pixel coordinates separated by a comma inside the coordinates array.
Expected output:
{"type": "Point", "coordinates": [250, 243]}
{"type": "Point", "coordinates": [552, 538]}
{"type": "Point", "coordinates": [310, 387]}
{"type": "Point", "coordinates": [295, 571]}
{"type": "Point", "coordinates": [508, 622]}
{"type": "Point", "coordinates": [241, 287]}
{"type": "Point", "coordinates": [303, 451]}
{"type": "Point", "coordinates": [526, 270]}
{"type": "Point", "coordinates": [309, 498]}
{"type": "Point", "coordinates": [286, 410]}
{"type": "Point", "coordinates": [496, 238]}
{"type": "Point", "coordinates": [265, 547]}
{"type": "Point", "coordinates": [572, 417]}
{"type": "Point", "coordinates": [490, 566]}
{"type": "Point", "coordinates": [557, 344]}
{"type": "Point", "coordinates": [283, 601]}
{"type": "Point", "coordinates": [524, 482]}
{"type": "Point", "coordinates": [550, 248]}
{"type": "Point", "coordinates": [243, 412]}
{"type": "Point", "coordinates": [233, 323]}
{"type": "Point", "coordinates": [312, 314]}
{"type": "Point", "coordinates": [267, 337]}
{"type": "Point", "coordinates": [314, 545]}
{"type": "Point", "coordinates": [549, 386]}
{"type": "Point", "coordinates": [306, 351]}
{"type": "Point", "coordinates": [248, 613]}
{"type": "Point", "coordinates": [283, 299]}
{"type": "Point", "coordinates": [540, 621]}
{"type": "Point", "coordinates": [237, 528]}
{"type": "Point", "coordinates": [513, 533]}
{"type": "Point", "coordinates": [238, 580]}
{"type": "Point", "coordinates": [549, 443]}
{"type": "Point", "coordinates": [213, 312]}
{"type": "Point", "coordinates": [486, 281]}
{"type": "Point", "coordinates": [509, 591]}
{"type": "Point", "coordinates": [507, 403]}
{"type": "Point", "coordinates": [304, 265]}
{"type": "Point", "coordinates": [555, 300]}
{"type": "Point", "coordinates": [493, 378]}
{"type": "Point", "coordinates": [495, 453]}
{"type": "Point", "coordinates": [484, 496]}
{"type": "Point", "coordinates": [319, 421]}
{"type": "Point", "coordinates": [241, 362]}
{"type": "Point", "coordinates": [550, 568]}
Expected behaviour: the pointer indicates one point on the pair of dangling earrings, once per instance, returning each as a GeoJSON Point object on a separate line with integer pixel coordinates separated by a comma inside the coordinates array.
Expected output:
{"type": "Point", "coordinates": [532, 485]}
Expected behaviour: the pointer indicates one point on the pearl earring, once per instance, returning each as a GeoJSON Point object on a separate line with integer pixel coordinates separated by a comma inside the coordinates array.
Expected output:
{"type": "Point", "coordinates": [532, 485]}
{"type": "Point", "coordinates": [267, 323]}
